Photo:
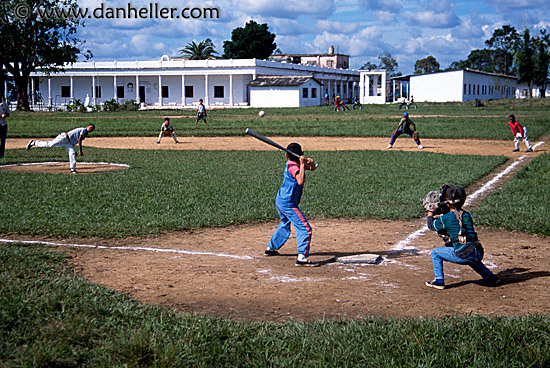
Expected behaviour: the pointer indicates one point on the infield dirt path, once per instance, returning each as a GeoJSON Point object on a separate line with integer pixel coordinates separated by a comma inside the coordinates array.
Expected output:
{"type": "Point", "coordinates": [222, 271]}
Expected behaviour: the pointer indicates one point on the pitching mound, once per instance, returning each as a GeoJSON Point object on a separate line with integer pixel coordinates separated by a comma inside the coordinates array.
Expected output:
{"type": "Point", "coordinates": [63, 167]}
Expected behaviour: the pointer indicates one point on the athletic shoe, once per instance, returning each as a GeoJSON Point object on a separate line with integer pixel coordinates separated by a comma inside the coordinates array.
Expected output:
{"type": "Point", "coordinates": [390, 146]}
{"type": "Point", "coordinates": [436, 284]}
{"type": "Point", "coordinates": [492, 280]}
{"type": "Point", "coordinates": [31, 143]}
{"type": "Point", "coordinates": [516, 150]}
{"type": "Point", "coordinates": [529, 150]}
{"type": "Point", "coordinates": [420, 146]}
{"type": "Point", "coordinates": [271, 252]}
{"type": "Point", "coordinates": [307, 263]}
{"type": "Point", "coordinates": [158, 142]}
{"type": "Point", "coordinates": [73, 171]}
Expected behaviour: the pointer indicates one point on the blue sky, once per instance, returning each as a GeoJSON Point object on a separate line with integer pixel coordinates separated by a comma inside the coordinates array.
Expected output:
{"type": "Point", "coordinates": [363, 29]}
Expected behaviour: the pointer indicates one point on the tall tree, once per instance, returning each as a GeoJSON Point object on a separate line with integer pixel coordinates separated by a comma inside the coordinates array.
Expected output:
{"type": "Point", "coordinates": [427, 65]}
{"type": "Point", "coordinates": [201, 51]}
{"type": "Point", "coordinates": [29, 41]}
{"type": "Point", "coordinates": [369, 66]}
{"type": "Point", "coordinates": [254, 41]}
{"type": "Point", "coordinates": [524, 60]}
{"type": "Point", "coordinates": [502, 43]}
{"type": "Point", "coordinates": [542, 61]}
{"type": "Point", "coordinates": [389, 63]}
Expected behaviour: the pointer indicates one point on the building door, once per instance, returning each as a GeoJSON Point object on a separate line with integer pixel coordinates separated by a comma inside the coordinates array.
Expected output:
{"type": "Point", "coordinates": [142, 94]}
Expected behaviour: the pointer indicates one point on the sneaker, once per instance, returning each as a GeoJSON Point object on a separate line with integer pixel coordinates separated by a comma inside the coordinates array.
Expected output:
{"type": "Point", "coordinates": [436, 284]}
{"type": "Point", "coordinates": [492, 280]}
{"type": "Point", "coordinates": [529, 150]}
{"type": "Point", "coordinates": [516, 150]}
{"type": "Point", "coordinates": [158, 142]}
{"type": "Point", "coordinates": [271, 252]}
{"type": "Point", "coordinates": [306, 263]}
{"type": "Point", "coordinates": [73, 171]}
{"type": "Point", "coordinates": [390, 146]}
{"type": "Point", "coordinates": [31, 143]}
{"type": "Point", "coordinates": [420, 146]}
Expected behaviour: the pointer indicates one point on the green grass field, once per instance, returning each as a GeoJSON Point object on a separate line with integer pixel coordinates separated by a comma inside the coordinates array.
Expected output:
{"type": "Point", "coordinates": [451, 120]}
{"type": "Point", "coordinates": [49, 317]}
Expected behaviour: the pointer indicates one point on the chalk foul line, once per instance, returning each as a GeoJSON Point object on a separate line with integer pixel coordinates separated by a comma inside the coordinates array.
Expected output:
{"type": "Point", "coordinates": [158, 250]}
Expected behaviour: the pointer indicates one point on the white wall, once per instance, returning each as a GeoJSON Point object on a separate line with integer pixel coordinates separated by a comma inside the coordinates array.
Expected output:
{"type": "Point", "coordinates": [274, 97]}
{"type": "Point", "coordinates": [310, 101]}
{"type": "Point", "coordinates": [437, 87]}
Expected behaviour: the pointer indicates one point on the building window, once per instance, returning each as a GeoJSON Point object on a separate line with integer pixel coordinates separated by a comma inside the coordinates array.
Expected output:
{"type": "Point", "coordinates": [469, 89]}
{"type": "Point", "coordinates": [120, 91]}
{"type": "Point", "coordinates": [314, 93]}
{"type": "Point", "coordinates": [304, 93]}
{"type": "Point", "coordinates": [165, 92]}
{"type": "Point", "coordinates": [218, 92]}
{"type": "Point", "coordinates": [97, 91]}
{"type": "Point", "coordinates": [65, 91]}
{"type": "Point", "coordinates": [189, 91]}
{"type": "Point", "coordinates": [330, 63]}
{"type": "Point", "coordinates": [464, 88]}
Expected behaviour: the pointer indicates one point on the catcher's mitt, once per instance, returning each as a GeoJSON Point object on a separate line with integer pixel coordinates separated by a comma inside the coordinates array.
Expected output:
{"type": "Point", "coordinates": [416, 135]}
{"type": "Point", "coordinates": [431, 201]}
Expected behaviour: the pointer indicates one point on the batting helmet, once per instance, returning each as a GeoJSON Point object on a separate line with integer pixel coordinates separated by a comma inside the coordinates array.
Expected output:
{"type": "Point", "coordinates": [405, 114]}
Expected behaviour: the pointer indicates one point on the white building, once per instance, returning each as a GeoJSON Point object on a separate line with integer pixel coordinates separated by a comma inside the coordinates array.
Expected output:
{"type": "Point", "coordinates": [291, 91]}
{"type": "Point", "coordinates": [373, 86]}
{"type": "Point", "coordinates": [179, 83]}
{"type": "Point", "coordinates": [456, 86]}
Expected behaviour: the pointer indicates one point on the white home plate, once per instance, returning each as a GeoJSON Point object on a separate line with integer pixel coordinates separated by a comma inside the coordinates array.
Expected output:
{"type": "Point", "coordinates": [361, 258]}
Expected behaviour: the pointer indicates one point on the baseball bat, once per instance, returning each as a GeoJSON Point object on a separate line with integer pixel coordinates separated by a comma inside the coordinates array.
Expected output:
{"type": "Point", "coordinates": [271, 143]}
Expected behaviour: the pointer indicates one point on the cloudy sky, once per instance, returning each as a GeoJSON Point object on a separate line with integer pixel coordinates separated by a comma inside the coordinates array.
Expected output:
{"type": "Point", "coordinates": [363, 29]}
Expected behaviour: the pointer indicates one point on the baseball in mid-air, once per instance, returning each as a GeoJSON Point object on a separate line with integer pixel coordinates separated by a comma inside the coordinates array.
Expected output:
{"type": "Point", "coordinates": [261, 113]}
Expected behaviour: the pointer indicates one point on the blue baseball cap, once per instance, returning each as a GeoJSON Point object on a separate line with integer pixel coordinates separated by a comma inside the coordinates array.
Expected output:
{"type": "Point", "coordinates": [405, 114]}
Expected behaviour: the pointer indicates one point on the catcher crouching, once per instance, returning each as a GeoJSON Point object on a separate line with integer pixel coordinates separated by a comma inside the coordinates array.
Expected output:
{"type": "Point", "coordinates": [455, 226]}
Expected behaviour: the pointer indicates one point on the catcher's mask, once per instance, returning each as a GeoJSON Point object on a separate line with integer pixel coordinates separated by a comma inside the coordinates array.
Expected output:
{"type": "Point", "coordinates": [452, 195]}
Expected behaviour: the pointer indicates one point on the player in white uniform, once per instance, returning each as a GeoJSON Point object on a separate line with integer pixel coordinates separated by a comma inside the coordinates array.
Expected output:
{"type": "Point", "coordinates": [201, 112]}
{"type": "Point", "coordinates": [167, 129]}
{"type": "Point", "coordinates": [67, 140]}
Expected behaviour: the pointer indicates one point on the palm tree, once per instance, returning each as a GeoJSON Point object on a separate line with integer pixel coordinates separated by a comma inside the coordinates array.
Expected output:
{"type": "Point", "coordinates": [201, 51]}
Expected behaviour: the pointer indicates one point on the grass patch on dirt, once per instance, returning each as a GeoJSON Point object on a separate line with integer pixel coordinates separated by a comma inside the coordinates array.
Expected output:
{"type": "Point", "coordinates": [180, 190]}
{"type": "Point", "coordinates": [522, 204]}
{"type": "Point", "coordinates": [51, 318]}
{"type": "Point", "coordinates": [434, 120]}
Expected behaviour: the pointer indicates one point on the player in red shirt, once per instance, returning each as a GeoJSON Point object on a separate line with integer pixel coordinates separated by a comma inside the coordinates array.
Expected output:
{"type": "Point", "coordinates": [519, 132]}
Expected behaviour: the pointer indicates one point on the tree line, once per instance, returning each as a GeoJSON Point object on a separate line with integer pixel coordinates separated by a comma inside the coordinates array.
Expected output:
{"type": "Point", "coordinates": [507, 52]}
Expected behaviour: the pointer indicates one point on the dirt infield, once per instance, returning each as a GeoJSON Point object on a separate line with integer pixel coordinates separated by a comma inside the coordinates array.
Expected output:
{"type": "Point", "coordinates": [223, 272]}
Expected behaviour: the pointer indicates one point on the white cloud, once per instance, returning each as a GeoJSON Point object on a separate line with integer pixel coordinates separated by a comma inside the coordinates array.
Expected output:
{"type": "Point", "coordinates": [392, 6]}
{"type": "Point", "coordinates": [287, 8]}
{"type": "Point", "coordinates": [335, 27]}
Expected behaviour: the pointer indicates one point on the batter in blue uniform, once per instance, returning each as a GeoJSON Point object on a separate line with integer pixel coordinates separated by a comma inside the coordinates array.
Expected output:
{"type": "Point", "coordinates": [287, 201]}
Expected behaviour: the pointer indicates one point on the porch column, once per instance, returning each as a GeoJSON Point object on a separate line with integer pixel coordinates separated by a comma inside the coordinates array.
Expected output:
{"type": "Point", "coordinates": [115, 94]}
{"type": "Point", "coordinates": [33, 92]}
{"type": "Point", "coordinates": [393, 91]}
{"type": "Point", "coordinates": [183, 90]}
{"type": "Point", "coordinates": [160, 90]}
{"type": "Point", "coordinates": [71, 97]}
{"type": "Point", "coordinates": [137, 89]}
{"type": "Point", "coordinates": [230, 89]}
{"type": "Point", "coordinates": [93, 90]}
{"type": "Point", "coordinates": [49, 91]}
{"type": "Point", "coordinates": [206, 89]}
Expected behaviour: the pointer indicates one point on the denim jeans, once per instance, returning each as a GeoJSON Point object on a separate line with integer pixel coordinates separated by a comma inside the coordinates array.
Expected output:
{"type": "Point", "coordinates": [448, 254]}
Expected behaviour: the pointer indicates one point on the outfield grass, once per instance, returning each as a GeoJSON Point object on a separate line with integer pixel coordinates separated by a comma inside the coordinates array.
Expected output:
{"type": "Point", "coordinates": [450, 120]}
{"type": "Point", "coordinates": [522, 204]}
{"type": "Point", "coordinates": [179, 190]}
{"type": "Point", "coordinates": [51, 318]}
